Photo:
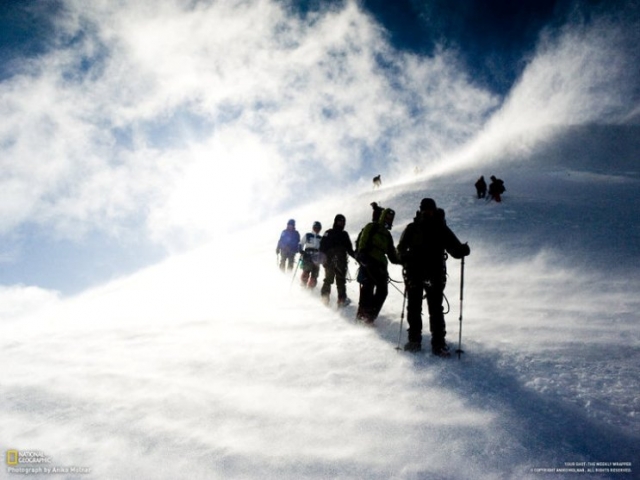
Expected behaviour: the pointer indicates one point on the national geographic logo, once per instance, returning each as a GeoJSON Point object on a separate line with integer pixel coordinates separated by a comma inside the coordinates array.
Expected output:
{"type": "Point", "coordinates": [30, 457]}
{"type": "Point", "coordinates": [35, 462]}
{"type": "Point", "coordinates": [12, 457]}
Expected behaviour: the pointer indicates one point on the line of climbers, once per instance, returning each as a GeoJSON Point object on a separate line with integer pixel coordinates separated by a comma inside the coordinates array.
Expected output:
{"type": "Point", "coordinates": [422, 251]}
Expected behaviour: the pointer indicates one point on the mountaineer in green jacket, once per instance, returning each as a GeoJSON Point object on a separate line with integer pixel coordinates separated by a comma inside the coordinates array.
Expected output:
{"type": "Point", "coordinates": [373, 246]}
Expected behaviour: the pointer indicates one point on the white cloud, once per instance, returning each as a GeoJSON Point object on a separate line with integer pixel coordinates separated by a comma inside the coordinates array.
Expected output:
{"type": "Point", "coordinates": [20, 301]}
{"type": "Point", "coordinates": [146, 115]}
{"type": "Point", "coordinates": [95, 135]}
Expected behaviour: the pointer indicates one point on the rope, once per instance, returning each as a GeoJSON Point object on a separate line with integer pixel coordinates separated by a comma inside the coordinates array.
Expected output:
{"type": "Point", "coordinates": [444, 297]}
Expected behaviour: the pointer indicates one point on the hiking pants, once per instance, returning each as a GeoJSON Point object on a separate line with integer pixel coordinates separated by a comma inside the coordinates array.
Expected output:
{"type": "Point", "coordinates": [287, 257]}
{"type": "Point", "coordinates": [435, 297]}
{"type": "Point", "coordinates": [310, 271]}
{"type": "Point", "coordinates": [373, 292]}
{"type": "Point", "coordinates": [334, 272]}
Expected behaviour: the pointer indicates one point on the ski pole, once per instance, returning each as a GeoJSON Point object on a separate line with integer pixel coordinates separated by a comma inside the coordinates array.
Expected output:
{"type": "Point", "coordinates": [459, 351]}
{"type": "Point", "coordinates": [404, 300]}
{"type": "Point", "coordinates": [296, 270]}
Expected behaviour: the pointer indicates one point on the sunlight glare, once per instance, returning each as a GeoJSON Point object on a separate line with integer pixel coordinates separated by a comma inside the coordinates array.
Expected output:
{"type": "Point", "coordinates": [229, 181]}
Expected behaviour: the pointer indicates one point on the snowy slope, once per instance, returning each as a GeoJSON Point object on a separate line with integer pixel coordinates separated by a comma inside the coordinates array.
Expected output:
{"type": "Point", "coordinates": [215, 365]}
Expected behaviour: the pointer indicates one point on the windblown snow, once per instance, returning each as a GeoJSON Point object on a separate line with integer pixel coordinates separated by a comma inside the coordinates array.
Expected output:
{"type": "Point", "coordinates": [214, 364]}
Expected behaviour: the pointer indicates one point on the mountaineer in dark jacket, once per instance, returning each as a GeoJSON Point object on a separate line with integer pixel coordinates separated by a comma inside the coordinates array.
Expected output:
{"type": "Point", "coordinates": [377, 210]}
{"type": "Point", "coordinates": [421, 249]}
{"type": "Point", "coordinates": [334, 248]}
{"type": "Point", "coordinates": [373, 246]}
{"type": "Point", "coordinates": [496, 189]}
{"type": "Point", "coordinates": [481, 187]}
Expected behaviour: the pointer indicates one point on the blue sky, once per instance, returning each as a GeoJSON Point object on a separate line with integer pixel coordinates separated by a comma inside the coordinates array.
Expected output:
{"type": "Point", "coordinates": [137, 130]}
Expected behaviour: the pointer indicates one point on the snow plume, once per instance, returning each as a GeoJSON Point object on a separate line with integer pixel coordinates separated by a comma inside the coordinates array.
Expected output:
{"type": "Point", "coordinates": [147, 113]}
{"type": "Point", "coordinates": [585, 74]}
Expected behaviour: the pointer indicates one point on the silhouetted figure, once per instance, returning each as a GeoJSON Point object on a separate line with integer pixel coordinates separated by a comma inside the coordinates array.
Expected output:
{"type": "Point", "coordinates": [377, 210]}
{"type": "Point", "coordinates": [496, 189]}
{"type": "Point", "coordinates": [373, 247]}
{"type": "Point", "coordinates": [481, 187]}
{"type": "Point", "coordinates": [422, 249]}
{"type": "Point", "coordinates": [334, 248]}
{"type": "Point", "coordinates": [377, 181]}
{"type": "Point", "coordinates": [375, 217]}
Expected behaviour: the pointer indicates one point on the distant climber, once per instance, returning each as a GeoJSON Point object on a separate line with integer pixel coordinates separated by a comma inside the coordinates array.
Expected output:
{"type": "Point", "coordinates": [481, 187]}
{"type": "Point", "coordinates": [496, 189]}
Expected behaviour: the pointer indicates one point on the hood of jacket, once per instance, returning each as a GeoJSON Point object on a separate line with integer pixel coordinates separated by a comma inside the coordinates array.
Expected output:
{"type": "Point", "coordinates": [383, 217]}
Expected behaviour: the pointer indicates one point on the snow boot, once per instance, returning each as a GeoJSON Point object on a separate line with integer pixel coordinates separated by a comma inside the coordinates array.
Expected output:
{"type": "Point", "coordinates": [366, 319]}
{"type": "Point", "coordinates": [343, 302]}
{"type": "Point", "coordinates": [412, 347]}
{"type": "Point", "coordinates": [365, 315]}
{"type": "Point", "coordinates": [441, 350]}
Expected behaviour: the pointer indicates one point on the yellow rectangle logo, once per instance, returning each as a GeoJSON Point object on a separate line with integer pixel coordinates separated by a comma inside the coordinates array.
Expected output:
{"type": "Point", "coordinates": [12, 457]}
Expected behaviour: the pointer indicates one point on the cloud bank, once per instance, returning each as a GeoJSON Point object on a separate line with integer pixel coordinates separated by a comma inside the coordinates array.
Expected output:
{"type": "Point", "coordinates": [141, 119]}
{"type": "Point", "coordinates": [150, 114]}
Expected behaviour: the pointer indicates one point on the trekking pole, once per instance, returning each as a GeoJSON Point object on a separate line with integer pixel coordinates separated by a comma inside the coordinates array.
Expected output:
{"type": "Point", "coordinates": [296, 270]}
{"type": "Point", "coordinates": [459, 351]}
{"type": "Point", "coordinates": [404, 300]}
